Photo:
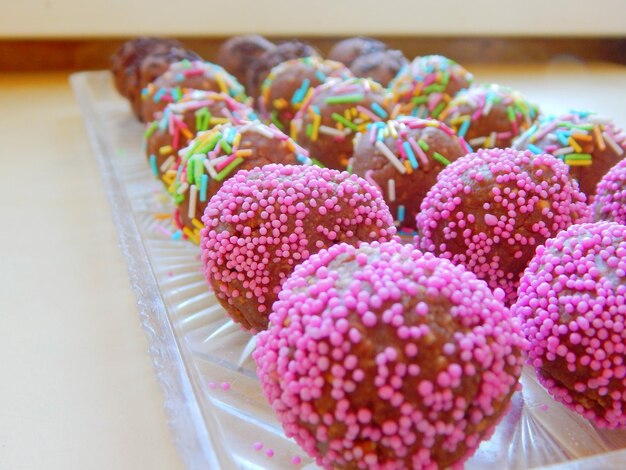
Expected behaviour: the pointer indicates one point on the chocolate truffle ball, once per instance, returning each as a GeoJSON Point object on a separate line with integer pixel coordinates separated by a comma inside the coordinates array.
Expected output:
{"type": "Point", "coordinates": [265, 221]}
{"type": "Point", "coordinates": [590, 144]}
{"type": "Point", "coordinates": [197, 111]}
{"type": "Point", "coordinates": [290, 83]}
{"type": "Point", "coordinates": [572, 301]}
{"type": "Point", "coordinates": [384, 357]}
{"type": "Point", "coordinates": [348, 50]}
{"type": "Point", "coordinates": [184, 76]}
{"type": "Point", "coordinates": [489, 116]}
{"type": "Point", "coordinates": [424, 87]}
{"type": "Point", "coordinates": [328, 121]}
{"type": "Point", "coordinates": [403, 158]}
{"type": "Point", "coordinates": [489, 210]}
{"type": "Point", "coordinates": [610, 199]}
{"type": "Point", "coordinates": [381, 66]}
{"type": "Point", "coordinates": [259, 68]}
{"type": "Point", "coordinates": [127, 58]}
{"type": "Point", "coordinates": [236, 53]}
{"type": "Point", "coordinates": [216, 155]}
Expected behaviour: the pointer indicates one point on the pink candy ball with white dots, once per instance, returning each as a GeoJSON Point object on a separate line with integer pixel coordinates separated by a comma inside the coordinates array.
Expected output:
{"type": "Point", "coordinates": [610, 201]}
{"type": "Point", "coordinates": [381, 356]}
{"type": "Point", "coordinates": [489, 210]}
{"type": "Point", "coordinates": [265, 221]}
{"type": "Point", "coordinates": [572, 301]}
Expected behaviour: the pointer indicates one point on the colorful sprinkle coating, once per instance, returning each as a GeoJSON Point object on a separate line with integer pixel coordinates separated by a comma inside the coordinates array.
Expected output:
{"type": "Point", "coordinates": [489, 116]}
{"type": "Point", "coordinates": [333, 114]}
{"type": "Point", "coordinates": [489, 210]}
{"type": "Point", "coordinates": [382, 357]}
{"type": "Point", "coordinates": [590, 144]}
{"type": "Point", "coordinates": [291, 83]}
{"type": "Point", "coordinates": [214, 156]}
{"type": "Point", "coordinates": [610, 201]}
{"type": "Point", "coordinates": [391, 156]}
{"type": "Point", "coordinates": [424, 87]}
{"type": "Point", "coordinates": [184, 76]}
{"type": "Point", "coordinates": [265, 221]}
{"type": "Point", "coordinates": [180, 122]}
{"type": "Point", "coordinates": [572, 301]}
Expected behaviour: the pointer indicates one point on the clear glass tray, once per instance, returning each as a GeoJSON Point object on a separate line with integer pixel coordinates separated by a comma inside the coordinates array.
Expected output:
{"type": "Point", "coordinates": [217, 413]}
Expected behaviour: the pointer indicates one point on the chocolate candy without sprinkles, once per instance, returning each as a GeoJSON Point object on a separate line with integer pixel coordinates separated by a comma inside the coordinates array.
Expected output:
{"type": "Point", "coordinates": [380, 356]}
{"type": "Point", "coordinates": [265, 221]}
{"type": "Point", "coordinates": [236, 53]}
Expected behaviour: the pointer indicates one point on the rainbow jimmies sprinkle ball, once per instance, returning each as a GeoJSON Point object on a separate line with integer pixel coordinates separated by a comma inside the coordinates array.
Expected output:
{"type": "Point", "coordinates": [403, 158]}
{"type": "Point", "coordinates": [382, 357]}
{"type": "Point", "coordinates": [179, 123]}
{"type": "Point", "coordinates": [184, 76]}
{"type": "Point", "coordinates": [572, 300]}
{"type": "Point", "coordinates": [290, 84]}
{"type": "Point", "coordinates": [590, 144]}
{"type": "Point", "coordinates": [489, 116]}
{"type": "Point", "coordinates": [424, 87]}
{"type": "Point", "coordinates": [610, 201]}
{"type": "Point", "coordinates": [489, 211]}
{"type": "Point", "coordinates": [265, 221]}
{"type": "Point", "coordinates": [329, 119]}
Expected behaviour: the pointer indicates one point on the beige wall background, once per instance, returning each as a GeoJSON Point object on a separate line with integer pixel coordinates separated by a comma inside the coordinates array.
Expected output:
{"type": "Point", "coordinates": [108, 18]}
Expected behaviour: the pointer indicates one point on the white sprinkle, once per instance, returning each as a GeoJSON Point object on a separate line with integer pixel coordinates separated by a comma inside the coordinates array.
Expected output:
{"type": "Point", "coordinates": [492, 139]}
{"type": "Point", "coordinates": [487, 109]}
{"type": "Point", "coordinates": [183, 187]}
{"type": "Point", "coordinates": [477, 141]}
{"type": "Point", "coordinates": [331, 131]}
{"type": "Point", "coordinates": [598, 119]}
{"type": "Point", "coordinates": [563, 151]}
{"type": "Point", "coordinates": [611, 143]}
{"type": "Point", "coordinates": [193, 196]}
{"type": "Point", "coordinates": [261, 130]}
{"type": "Point", "coordinates": [390, 156]}
{"type": "Point", "coordinates": [391, 190]}
{"type": "Point", "coordinates": [167, 164]}
{"type": "Point", "coordinates": [208, 164]}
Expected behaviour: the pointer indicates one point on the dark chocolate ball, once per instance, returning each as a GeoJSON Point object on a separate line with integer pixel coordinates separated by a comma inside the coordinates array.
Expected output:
{"type": "Point", "coordinates": [236, 54]}
{"type": "Point", "coordinates": [260, 67]}
{"type": "Point", "coordinates": [381, 66]}
{"type": "Point", "coordinates": [348, 50]}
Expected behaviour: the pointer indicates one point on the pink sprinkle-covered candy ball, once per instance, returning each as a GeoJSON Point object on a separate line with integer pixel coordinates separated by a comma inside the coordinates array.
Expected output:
{"type": "Point", "coordinates": [610, 201]}
{"type": "Point", "coordinates": [489, 210]}
{"type": "Point", "coordinates": [382, 356]}
{"type": "Point", "coordinates": [572, 301]}
{"type": "Point", "coordinates": [265, 221]}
